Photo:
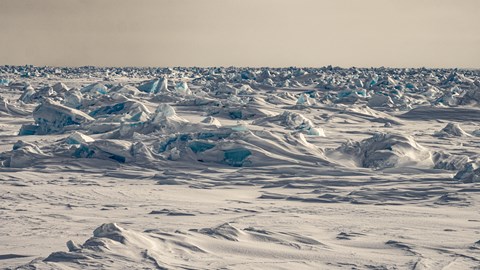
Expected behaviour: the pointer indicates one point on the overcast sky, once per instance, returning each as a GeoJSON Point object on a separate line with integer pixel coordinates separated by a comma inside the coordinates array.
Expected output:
{"type": "Point", "coordinates": [362, 33]}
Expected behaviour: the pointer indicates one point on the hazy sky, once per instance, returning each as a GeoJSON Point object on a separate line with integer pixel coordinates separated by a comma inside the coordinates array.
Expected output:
{"type": "Point", "coordinates": [362, 33]}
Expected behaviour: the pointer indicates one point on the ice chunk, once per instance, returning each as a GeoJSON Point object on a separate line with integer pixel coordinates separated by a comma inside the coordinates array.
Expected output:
{"type": "Point", "coordinates": [469, 174]}
{"type": "Point", "coordinates": [140, 117]}
{"type": "Point", "coordinates": [164, 111]}
{"type": "Point", "coordinates": [210, 120]}
{"type": "Point", "coordinates": [235, 114]}
{"type": "Point", "coordinates": [60, 87]}
{"type": "Point", "coordinates": [125, 90]}
{"type": "Point", "coordinates": [4, 82]}
{"type": "Point", "coordinates": [73, 98]}
{"type": "Point", "coordinates": [27, 95]}
{"type": "Point", "coordinates": [52, 117]}
{"type": "Point", "coordinates": [118, 150]}
{"type": "Point", "coordinates": [316, 132]}
{"type": "Point", "coordinates": [236, 157]}
{"type": "Point", "coordinates": [304, 100]}
{"type": "Point", "coordinates": [199, 146]}
{"type": "Point", "coordinates": [24, 154]}
{"type": "Point", "coordinates": [182, 89]}
{"type": "Point", "coordinates": [131, 107]}
{"type": "Point", "coordinates": [95, 89]}
{"type": "Point", "coordinates": [174, 154]}
{"type": "Point", "coordinates": [78, 138]}
{"type": "Point", "coordinates": [156, 86]}
{"type": "Point", "coordinates": [28, 129]}
{"type": "Point", "coordinates": [379, 100]}
{"type": "Point", "coordinates": [446, 161]}
{"type": "Point", "coordinates": [239, 127]}
{"type": "Point", "coordinates": [451, 130]}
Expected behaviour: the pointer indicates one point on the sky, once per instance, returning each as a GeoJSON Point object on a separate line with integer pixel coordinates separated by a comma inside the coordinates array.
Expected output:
{"type": "Point", "coordinates": [276, 33]}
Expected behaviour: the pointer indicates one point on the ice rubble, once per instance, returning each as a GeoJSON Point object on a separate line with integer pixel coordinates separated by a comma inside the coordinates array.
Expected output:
{"type": "Point", "coordinates": [54, 92]}
{"type": "Point", "coordinates": [470, 173]}
{"type": "Point", "coordinates": [120, 114]}
{"type": "Point", "coordinates": [53, 117]}
{"type": "Point", "coordinates": [23, 154]}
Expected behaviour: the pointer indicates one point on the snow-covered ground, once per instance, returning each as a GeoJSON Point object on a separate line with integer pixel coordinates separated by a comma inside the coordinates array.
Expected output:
{"type": "Point", "coordinates": [239, 168]}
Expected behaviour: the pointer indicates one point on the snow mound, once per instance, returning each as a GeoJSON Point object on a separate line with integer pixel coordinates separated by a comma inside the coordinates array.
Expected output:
{"type": "Point", "coordinates": [113, 247]}
{"type": "Point", "coordinates": [210, 120]}
{"type": "Point", "coordinates": [292, 121]}
{"type": "Point", "coordinates": [384, 150]}
{"type": "Point", "coordinates": [451, 130]}
{"type": "Point", "coordinates": [224, 231]}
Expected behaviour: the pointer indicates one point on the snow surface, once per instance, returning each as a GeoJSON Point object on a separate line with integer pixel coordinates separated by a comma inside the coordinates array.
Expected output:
{"type": "Point", "coordinates": [239, 168]}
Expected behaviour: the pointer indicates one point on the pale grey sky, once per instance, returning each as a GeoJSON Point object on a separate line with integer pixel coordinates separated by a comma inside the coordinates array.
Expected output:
{"type": "Point", "coordinates": [362, 33]}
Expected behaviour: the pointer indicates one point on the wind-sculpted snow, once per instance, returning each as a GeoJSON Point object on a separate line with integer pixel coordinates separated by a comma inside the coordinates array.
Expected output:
{"type": "Point", "coordinates": [385, 150]}
{"type": "Point", "coordinates": [239, 168]}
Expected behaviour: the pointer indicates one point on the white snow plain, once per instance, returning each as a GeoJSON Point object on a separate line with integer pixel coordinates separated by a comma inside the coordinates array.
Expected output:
{"type": "Point", "coordinates": [239, 168]}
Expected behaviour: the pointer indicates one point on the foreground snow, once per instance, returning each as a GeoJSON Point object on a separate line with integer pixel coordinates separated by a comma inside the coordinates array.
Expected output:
{"type": "Point", "coordinates": [239, 168]}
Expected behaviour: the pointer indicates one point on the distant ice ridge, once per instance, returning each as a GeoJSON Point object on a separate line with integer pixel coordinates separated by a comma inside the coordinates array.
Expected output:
{"type": "Point", "coordinates": [120, 120]}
